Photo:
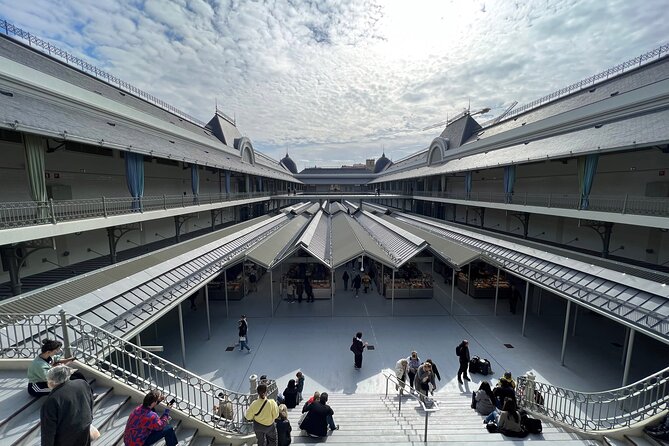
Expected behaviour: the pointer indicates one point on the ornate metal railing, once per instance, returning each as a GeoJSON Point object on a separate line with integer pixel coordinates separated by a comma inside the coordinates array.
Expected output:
{"type": "Point", "coordinates": [52, 50]}
{"type": "Point", "coordinates": [601, 203]}
{"type": "Point", "coordinates": [21, 335]}
{"type": "Point", "coordinates": [597, 411]}
{"type": "Point", "coordinates": [31, 213]}
{"type": "Point", "coordinates": [588, 82]}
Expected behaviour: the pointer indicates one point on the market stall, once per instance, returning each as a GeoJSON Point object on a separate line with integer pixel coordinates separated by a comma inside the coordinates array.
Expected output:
{"type": "Point", "coordinates": [483, 283]}
{"type": "Point", "coordinates": [411, 281]}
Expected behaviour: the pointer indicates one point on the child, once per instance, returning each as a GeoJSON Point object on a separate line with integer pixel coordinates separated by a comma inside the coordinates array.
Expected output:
{"type": "Point", "coordinates": [300, 386]}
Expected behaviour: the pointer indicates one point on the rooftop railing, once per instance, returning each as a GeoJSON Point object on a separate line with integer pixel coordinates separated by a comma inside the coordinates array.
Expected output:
{"type": "Point", "coordinates": [626, 204]}
{"type": "Point", "coordinates": [596, 411]}
{"type": "Point", "coordinates": [31, 213]}
{"type": "Point", "coordinates": [47, 47]}
{"type": "Point", "coordinates": [588, 82]}
{"type": "Point", "coordinates": [21, 335]}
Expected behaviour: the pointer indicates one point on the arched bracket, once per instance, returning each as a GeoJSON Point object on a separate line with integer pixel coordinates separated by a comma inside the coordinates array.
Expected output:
{"type": "Point", "coordinates": [115, 233]}
{"type": "Point", "coordinates": [481, 214]}
{"type": "Point", "coordinates": [524, 219]}
{"type": "Point", "coordinates": [179, 221]}
{"type": "Point", "coordinates": [14, 258]}
{"type": "Point", "coordinates": [603, 229]}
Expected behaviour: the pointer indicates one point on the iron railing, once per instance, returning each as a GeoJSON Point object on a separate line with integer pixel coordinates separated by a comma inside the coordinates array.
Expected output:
{"type": "Point", "coordinates": [596, 411]}
{"type": "Point", "coordinates": [31, 213]}
{"type": "Point", "coordinates": [21, 335]}
{"type": "Point", "coordinates": [601, 203]}
{"type": "Point", "coordinates": [428, 404]}
{"type": "Point", "coordinates": [588, 82]}
{"type": "Point", "coordinates": [47, 47]}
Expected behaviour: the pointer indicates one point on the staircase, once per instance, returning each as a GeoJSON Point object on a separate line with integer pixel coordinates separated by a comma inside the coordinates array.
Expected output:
{"type": "Point", "coordinates": [373, 420]}
{"type": "Point", "coordinates": [20, 414]}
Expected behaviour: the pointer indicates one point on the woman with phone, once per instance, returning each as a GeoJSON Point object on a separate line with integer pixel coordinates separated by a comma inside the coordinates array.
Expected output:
{"type": "Point", "coordinates": [145, 426]}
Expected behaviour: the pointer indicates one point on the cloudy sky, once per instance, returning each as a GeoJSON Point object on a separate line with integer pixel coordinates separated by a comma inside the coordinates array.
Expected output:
{"type": "Point", "coordinates": [336, 81]}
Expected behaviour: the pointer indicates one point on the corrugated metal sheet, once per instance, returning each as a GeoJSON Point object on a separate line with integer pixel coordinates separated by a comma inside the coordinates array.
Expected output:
{"type": "Point", "coordinates": [398, 244]}
{"type": "Point", "coordinates": [268, 251]}
{"type": "Point", "coordinates": [316, 238]}
{"type": "Point", "coordinates": [345, 245]}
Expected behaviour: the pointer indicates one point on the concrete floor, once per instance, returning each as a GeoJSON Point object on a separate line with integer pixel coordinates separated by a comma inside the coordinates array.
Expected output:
{"type": "Point", "coordinates": [315, 338]}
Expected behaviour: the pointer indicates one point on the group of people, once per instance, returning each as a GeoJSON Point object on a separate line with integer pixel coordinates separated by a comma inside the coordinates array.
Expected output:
{"type": "Point", "coordinates": [270, 418]}
{"type": "Point", "coordinates": [294, 291]}
{"type": "Point", "coordinates": [421, 376]}
{"type": "Point", "coordinates": [499, 405]}
{"type": "Point", "coordinates": [364, 281]}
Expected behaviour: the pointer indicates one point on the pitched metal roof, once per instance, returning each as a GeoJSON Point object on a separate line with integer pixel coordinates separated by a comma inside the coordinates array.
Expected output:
{"type": "Point", "coordinates": [268, 252]}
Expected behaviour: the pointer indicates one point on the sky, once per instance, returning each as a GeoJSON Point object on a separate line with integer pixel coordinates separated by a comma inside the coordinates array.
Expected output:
{"type": "Point", "coordinates": [333, 82]}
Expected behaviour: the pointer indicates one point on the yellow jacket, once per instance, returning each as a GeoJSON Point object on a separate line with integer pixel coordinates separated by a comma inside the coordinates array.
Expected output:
{"type": "Point", "coordinates": [267, 415]}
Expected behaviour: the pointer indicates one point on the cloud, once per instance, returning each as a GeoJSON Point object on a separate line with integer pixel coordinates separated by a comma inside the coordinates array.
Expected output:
{"type": "Point", "coordinates": [337, 81]}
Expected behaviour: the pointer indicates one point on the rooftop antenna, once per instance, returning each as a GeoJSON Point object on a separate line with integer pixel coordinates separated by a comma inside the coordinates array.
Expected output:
{"type": "Point", "coordinates": [469, 104]}
{"type": "Point", "coordinates": [216, 102]}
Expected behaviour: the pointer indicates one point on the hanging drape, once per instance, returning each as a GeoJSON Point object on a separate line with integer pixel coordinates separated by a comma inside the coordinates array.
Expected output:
{"type": "Point", "coordinates": [195, 181]}
{"type": "Point", "coordinates": [259, 184]}
{"type": "Point", "coordinates": [227, 181]}
{"type": "Point", "coordinates": [134, 177]}
{"type": "Point", "coordinates": [509, 180]}
{"type": "Point", "coordinates": [34, 153]}
{"type": "Point", "coordinates": [587, 167]}
{"type": "Point", "coordinates": [468, 184]}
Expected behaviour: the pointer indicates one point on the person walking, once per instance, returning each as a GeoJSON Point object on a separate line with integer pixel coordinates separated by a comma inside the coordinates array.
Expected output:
{"type": "Point", "coordinates": [357, 281]}
{"type": "Point", "coordinates": [309, 290]}
{"type": "Point", "coordinates": [366, 281]}
{"type": "Point", "coordinates": [401, 372]}
{"type": "Point", "coordinates": [290, 292]}
{"type": "Point", "coordinates": [300, 386]}
{"type": "Point", "coordinates": [145, 426]}
{"type": "Point", "coordinates": [435, 371]}
{"type": "Point", "coordinates": [345, 278]}
{"type": "Point", "coordinates": [414, 363]}
{"type": "Point", "coordinates": [299, 290]}
{"type": "Point", "coordinates": [263, 412]}
{"type": "Point", "coordinates": [463, 354]}
{"type": "Point", "coordinates": [283, 427]}
{"type": "Point", "coordinates": [243, 334]}
{"type": "Point", "coordinates": [67, 414]}
{"type": "Point", "coordinates": [514, 297]}
{"type": "Point", "coordinates": [424, 379]}
{"type": "Point", "coordinates": [357, 347]}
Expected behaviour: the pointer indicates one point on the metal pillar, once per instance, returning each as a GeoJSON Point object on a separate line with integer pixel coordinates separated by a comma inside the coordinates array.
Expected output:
{"type": "Point", "coordinates": [496, 290]}
{"type": "Point", "coordinates": [181, 332]}
{"type": "Point", "coordinates": [539, 302]}
{"type": "Point", "coordinates": [392, 295]}
{"type": "Point", "coordinates": [527, 304]}
{"type": "Point", "coordinates": [382, 281]}
{"type": "Point", "coordinates": [225, 285]}
{"type": "Point", "coordinates": [206, 305]}
{"type": "Point", "coordinates": [566, 329]}
{"type": "Point", "coordinates": [271, 291]}
{"type": "Point", "coordinates": [140, 364]}
{"type": "Point", "coordinates": [627, 337]}
{"type": "Point", "coordinates": [628, 357]}
{"type": "Point", "coordinates": [452, 290]}
{"type": "Point", "coordinates": [332, 291]}
{"type": "Point", "coordinates": [469, 277]}
{"type": "Point", "coordinates": [573, 326]}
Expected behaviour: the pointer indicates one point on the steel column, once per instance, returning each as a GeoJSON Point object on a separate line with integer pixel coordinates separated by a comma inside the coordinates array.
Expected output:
{"type": "Point", "coordinates": [628, 357]}
{"type": "Point", "coordinates": [181, 332]}
{"type": "Point", "coordinates": [527, 294]}
{"type": "Point", "coordinates": [332, 291]}
{"type": "Point", "coordinates": [566, 330]}
{"type": "Point", "coordinates": [496, 290]}
{"type": "Point", "coordinates": [206, 305]}
{"type": "Point", "coordinates": [225, 285]}
{"type": "Point", "coordinates": [392, 296]}
{"type": "Point", "coordinates": [452, 290]}
{"type": "Point", "coordinates": [627, 336]}
{"type": "Point", "coordinates": [271, 291]}
{"type": "Point", "coordinates": [573, 326]}
{"type": "Point", "coordinates": [469, 278]}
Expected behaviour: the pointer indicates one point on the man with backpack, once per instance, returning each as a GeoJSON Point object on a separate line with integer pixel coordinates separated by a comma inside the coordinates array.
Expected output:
{"type": "Point", "coordinates": [462, 351]}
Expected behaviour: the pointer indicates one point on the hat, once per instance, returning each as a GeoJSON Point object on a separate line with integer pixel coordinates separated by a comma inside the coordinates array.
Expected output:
{"type": "Point", "coordinates": [507, 375]}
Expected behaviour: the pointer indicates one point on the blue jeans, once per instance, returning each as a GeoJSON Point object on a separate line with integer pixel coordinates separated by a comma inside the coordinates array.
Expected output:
{"type": "Point", "coordinates": [167, 433]}
{"type": "Point", "coordinates": [244, 345]}
{"type": "Point", "coordinates": [493, 416]}
{"type": "Point", "coordinates": [331, 423]}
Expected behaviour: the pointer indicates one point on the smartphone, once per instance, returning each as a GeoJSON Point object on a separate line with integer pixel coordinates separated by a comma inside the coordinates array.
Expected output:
{"type": "Point", "coordinates": [172, 401]}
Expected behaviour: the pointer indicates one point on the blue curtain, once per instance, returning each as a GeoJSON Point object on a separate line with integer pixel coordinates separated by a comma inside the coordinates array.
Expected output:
{"type": "Point", "coordinates": [587, 167]}
{"type": "Point", "coordinates": [195, 181]}
{"type": "Point", "coordinates": [509, 180]}
{"type": "Point", "coordinates": [227, 181]}
{"type": "Point", "coordinates": [134, 177]}
{"type": "Point", "coordinates": [468, 184]}
{"type": "Point", "coordinates": [259, 184]}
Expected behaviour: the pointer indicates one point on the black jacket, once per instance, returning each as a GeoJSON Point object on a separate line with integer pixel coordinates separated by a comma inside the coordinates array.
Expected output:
{"type": "Point", "coordinates": [357, 281]}
{"type": "Point", "coordinates": [316, 423]}
{"type": "Point", "coordinates": [464, 354]}
{"type": "Point", "coordinates": [357, 346]}
{"type": "Point", "coordinates": [67, 414]}
{"type": "Point", "coordinates": [290, 397]}
{"type": "Point", "coordinates": [283, 430]}
{"type": "Point", "coordinates": [243, 327]}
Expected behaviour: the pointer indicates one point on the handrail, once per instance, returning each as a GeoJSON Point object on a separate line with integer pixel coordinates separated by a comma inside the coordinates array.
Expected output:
{"type": "Point", "coordinates": [638, 61]}
{"type": "Point", "coordinates": [596, 411]}
{"type": "Point", "coordinates": [620, 204]}
{"type": "Point", "coordinates": [400, 386]}
{"type": "Point", "coordinates": [34, 213]}
{"type": "Point", "coordinates": [72, 60]}
{"type": "Point", "coordinates": [20, 336]}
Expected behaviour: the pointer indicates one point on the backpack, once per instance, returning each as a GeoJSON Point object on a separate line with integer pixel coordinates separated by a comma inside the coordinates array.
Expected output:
{"type": "Point", "coordinates": [474, 364]}
{"type": "Point", "coordinates": [457, 350]}
{"type": "Point", "coordinates": [530, 425]}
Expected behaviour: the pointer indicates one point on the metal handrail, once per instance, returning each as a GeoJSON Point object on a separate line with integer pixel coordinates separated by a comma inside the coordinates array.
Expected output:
{"type": "Point", "coordinates": [596, 411]}
{"type": "Point", "coordinates": [626, 204]}
{"type": "Point", "coordinates": [400, 386]}
{"type": "Point", "coordinates": [33, 213]}
{"type": "Point", "coordinates": [11, 30]}
{"type": "Point", "coordinates": [20, 336]}
{"type": "Point", "coordinates": [588, 82]}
